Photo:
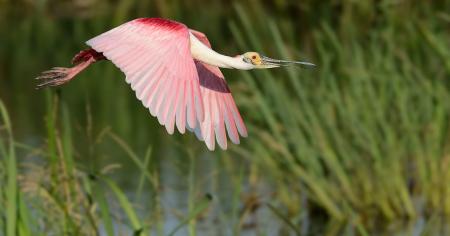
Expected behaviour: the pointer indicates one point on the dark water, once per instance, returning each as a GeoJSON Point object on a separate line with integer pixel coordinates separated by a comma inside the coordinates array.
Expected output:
{"type": "Point", "coordinates": [35, 36]}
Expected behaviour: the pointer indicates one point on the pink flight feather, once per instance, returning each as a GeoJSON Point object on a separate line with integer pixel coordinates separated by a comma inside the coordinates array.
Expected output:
{"type": "Point", "coordinates": [220, 109]}
{"type": "Point", "coordinates": [155, 54]}
{"type": "Point", "coordinates": [180, 91]}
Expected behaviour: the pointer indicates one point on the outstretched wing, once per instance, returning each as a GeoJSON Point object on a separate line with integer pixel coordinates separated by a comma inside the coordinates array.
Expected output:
{"type": "Point", "coordinates": [220, 110]}
{"type": "Point", "coordinates": [155, 56]}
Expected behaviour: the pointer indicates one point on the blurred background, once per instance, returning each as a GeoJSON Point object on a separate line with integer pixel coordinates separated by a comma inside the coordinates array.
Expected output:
{"type": "Point", "coordinates": [358, 146]}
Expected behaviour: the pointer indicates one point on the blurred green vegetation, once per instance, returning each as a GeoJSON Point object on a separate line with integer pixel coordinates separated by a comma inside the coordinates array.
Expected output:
{"type": "Point", "coordinates": [360, 145]}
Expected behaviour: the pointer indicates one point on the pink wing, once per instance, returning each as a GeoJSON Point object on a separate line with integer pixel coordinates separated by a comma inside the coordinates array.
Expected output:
{"type": "Point", "coordinates": [155, 56]}
{"type": "Point", "coordinates": [219, 106]}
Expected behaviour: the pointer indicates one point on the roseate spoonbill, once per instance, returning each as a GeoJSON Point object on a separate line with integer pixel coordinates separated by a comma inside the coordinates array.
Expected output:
{"type": "Point", "coordinates": [175, 74]}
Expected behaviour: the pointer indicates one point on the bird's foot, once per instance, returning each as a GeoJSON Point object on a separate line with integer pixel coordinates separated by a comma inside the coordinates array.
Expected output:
{"type": "Point", "coordinates": [54, 77]}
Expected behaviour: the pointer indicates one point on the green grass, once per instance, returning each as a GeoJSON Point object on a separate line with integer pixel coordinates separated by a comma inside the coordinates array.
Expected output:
{"type": "Point", "coordinates": [66, 200]}
{"type": "Point", "coordinates": [10, 167]}
{"type": "Point", "coordinates": [359, 145]}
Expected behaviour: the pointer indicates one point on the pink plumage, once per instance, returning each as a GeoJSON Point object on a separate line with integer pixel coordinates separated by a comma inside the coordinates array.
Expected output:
{"type": "Point", "coordinates": [179, 90]}
{"type": "Point", "coordinates": [220, 109]}
{"type": "Point", "coordinates": [175, 74]}
{"type": "Point", "coordinates": [155, 56]}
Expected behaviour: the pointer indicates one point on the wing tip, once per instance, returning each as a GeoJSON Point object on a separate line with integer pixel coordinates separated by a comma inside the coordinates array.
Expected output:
{"type": "Point", "coordinates": [211, 148]}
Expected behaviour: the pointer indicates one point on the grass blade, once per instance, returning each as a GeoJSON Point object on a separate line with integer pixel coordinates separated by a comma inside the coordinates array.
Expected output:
{"type": "Point", "coordinates": [126, 206]}
{"type": "Point", "coordinates": [201, 206]}
{"type": "Point", "coordinates": [11, 188]}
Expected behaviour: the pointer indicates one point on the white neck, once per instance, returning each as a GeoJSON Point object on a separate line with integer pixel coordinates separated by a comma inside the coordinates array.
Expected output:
{"type": "Point", "coordinates": [205, 54]}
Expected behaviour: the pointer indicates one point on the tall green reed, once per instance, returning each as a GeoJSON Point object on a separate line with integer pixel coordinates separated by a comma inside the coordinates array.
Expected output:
{"type": "Point", "coordinates": [363, 129]}
{"type": "Point", "coordinates": [10, 192]}
{"type": "Point", "coordinates": [362, 138]}
{"type": "Point", "coordinates": [66, 198]}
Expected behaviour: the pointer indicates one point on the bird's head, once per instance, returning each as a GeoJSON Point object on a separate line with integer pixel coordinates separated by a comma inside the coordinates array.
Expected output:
{"type": "Point", "coordinates": [258, 61]}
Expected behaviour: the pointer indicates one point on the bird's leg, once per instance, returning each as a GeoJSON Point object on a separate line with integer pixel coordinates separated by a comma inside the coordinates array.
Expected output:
{"type": "Point", "coordinates": [54, 77]}
{"type": "Point", "coordinates": [60, 75]}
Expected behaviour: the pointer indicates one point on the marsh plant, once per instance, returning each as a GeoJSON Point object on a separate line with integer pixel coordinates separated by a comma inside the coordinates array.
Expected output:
{"type": "Point", "coordinates": [359, 145]}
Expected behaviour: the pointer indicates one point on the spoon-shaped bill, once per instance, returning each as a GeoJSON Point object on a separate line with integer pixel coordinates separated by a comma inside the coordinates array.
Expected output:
{"type": "Point", "coordinates": [275, 62]}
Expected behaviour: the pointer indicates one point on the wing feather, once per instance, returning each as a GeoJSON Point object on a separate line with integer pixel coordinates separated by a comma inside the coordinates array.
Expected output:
{"type": "Point", "coordinates": [230, 124]}
{"type": "Point", "coordinates": [190, 105]}
{"type": "Point", "coordinates": [155, 56]}
{"type": "Point", "coordinates": [166, 103]}
{"type": "Point", "coordinates": [237, 118]}
{"type": "Point", "coordinates": [208, 124]}
{"type": "Point", "coordinates": [219, 123]}
{"type": "Point", "coordinates": [159, 108]}
{"type": "Point", "coordinates": [170, 116]}
{"type": "Point", "coordinates": [181, 111]}
{"type": "Point", "coordinates": [222, 135]}
{"type": "Point", "coordinates": [157, 98]}
{"type": "Point", "coordinates": [221, 113]}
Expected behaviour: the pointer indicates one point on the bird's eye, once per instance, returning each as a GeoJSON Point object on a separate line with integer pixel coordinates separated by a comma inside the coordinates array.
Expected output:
{"type": "Point", "coordinates": [253, 57]}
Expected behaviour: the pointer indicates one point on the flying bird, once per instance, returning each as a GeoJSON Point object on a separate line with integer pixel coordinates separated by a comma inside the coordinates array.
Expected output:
{"type": "Point", "coordinates": [175, 74]}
